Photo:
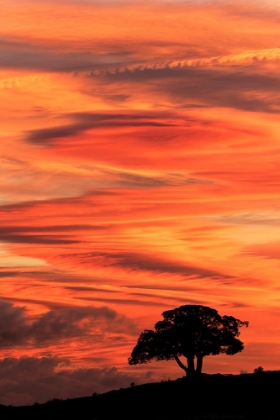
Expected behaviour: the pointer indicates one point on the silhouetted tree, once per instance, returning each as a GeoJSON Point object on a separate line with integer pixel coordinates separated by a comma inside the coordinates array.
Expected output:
{"type": "Point", "coordinates": [259, 369]}
{"type": "Point", "coordinates": [192, 331]}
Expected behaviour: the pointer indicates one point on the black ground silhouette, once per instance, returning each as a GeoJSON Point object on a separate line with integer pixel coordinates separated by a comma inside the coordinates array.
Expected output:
{"type": "Point", "coordinates": [206, 397]}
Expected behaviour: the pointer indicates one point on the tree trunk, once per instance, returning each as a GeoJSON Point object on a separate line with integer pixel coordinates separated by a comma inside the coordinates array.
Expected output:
{"type": "Point", "coordinates": [191, 369]}
{"type": "Point", "coordinates": [199, 364]}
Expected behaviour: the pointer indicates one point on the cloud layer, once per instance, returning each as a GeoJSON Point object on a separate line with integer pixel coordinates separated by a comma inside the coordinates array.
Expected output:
{"type": "Point", "coordinates": [60, 323]}
{"type": "Point", "coordinates": [29, 379]}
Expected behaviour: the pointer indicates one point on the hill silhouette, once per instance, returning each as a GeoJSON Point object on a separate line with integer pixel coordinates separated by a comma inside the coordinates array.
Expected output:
{"type": "Point", "coordinates": [207, 397]}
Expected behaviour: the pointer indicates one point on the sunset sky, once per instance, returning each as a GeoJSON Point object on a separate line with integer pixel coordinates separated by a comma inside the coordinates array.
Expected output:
{"type": "Point", "coordinates": [140, 171]}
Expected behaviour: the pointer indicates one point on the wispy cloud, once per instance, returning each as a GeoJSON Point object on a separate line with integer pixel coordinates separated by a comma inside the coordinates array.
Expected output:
{"type": "Point", "coordinates": [91, 121]}
{"type": "Point", "coordinates": [146, 262]}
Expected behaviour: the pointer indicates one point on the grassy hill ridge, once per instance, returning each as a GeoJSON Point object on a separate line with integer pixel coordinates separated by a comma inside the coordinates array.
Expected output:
{"type": "Point", "coordinates": [213, 397]}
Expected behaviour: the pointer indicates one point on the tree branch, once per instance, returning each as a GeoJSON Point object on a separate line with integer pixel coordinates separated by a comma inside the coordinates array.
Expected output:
{"type": "Point", "coordinates": [182, 366]}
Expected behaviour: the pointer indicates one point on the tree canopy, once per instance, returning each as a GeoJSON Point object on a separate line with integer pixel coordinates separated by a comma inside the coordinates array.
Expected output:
{"type": "Point", "coordinates": [191, 331]}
